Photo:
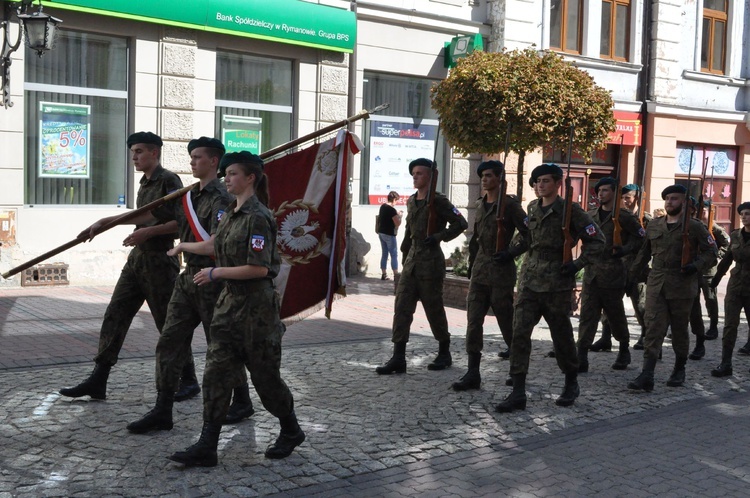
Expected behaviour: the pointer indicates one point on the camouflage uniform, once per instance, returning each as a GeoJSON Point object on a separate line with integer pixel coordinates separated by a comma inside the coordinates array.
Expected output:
{"type": "Point", "coordinates": [738, 288]}
{"type": "Point", "coordinates": [148, 275]}
{"type": "Point", "coordinates": [638, 298]}
{"type": "Point", "coordinates": [709, 293]}
{"type": "Point", "coordinates": [424, 267]}
{"type": "Point", "coordinates": [491, 284]}
{"type": "Point", "coordinates": [190, 304]}
{"type": "Point", "coordinates": [543, 290]}
{"type": "Point", "coordinates": [246, 328]}
{"type": "Point", "coordinates": [604, 279]}
{"type": "Point", "coordinates": [671, 292]}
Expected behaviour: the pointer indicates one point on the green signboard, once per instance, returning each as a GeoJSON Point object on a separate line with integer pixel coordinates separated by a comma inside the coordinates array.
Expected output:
{"type": "Point", "coordinates": [241, 133]}
{"type": "Point", "coordinates": [286, 21]}
{"type": "Point", "coordinates": [461, 46]}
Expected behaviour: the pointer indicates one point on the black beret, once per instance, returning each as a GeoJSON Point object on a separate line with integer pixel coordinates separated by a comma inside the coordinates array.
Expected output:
{"type": "Point", "coordinates": [546, 169]}
{"type": "Point", "coordinates": [213, 143]}
{"type": "Point", "coordinates": [489, 165]}
{"type": "Point", "coordinates": [238, 157]}
{"type": "Point", "coordinates": [742, 207]}
{"type": "Point", "coordinates": [607, 180]}
{"type": "Point", "coordinates": [673, 189]}
{"type": "Point", "coordinates": [531, 182]}
{"type": "Point", "coordinates": [630, 187]}
{"type": "Point", "coordinates": [422, 161]}
{"type": "Point", "coordinates": [693, 201]}
{"type": "Point", "coordinates": [144, 137]}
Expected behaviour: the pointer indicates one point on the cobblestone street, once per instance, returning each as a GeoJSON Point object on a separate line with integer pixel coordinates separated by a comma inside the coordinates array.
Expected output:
{"type": "Point", "coordinates": [369, 435]}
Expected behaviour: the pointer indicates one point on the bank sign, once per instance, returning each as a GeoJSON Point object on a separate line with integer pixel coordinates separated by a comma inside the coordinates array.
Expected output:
{"type": "Point", "coordinates": [285, 21]}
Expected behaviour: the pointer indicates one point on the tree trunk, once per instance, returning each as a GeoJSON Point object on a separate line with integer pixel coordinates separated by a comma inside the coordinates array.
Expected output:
{"type": "Point", "coordinates": [519, 175]}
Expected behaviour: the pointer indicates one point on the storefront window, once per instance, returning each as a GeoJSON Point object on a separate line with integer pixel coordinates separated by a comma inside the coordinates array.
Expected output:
{"type": "Point", "coordinates": [254, 102]}
{"type": "Point", "coordinates": [406, 130]}
{"type": "Point", "coordinates": [76, 121]}
{"type": "Point", "coordinates": [712, 174]}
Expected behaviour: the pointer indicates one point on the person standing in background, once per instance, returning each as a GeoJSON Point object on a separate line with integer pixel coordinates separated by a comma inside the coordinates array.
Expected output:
{"type": "Point", "coordinates": [388, 222]}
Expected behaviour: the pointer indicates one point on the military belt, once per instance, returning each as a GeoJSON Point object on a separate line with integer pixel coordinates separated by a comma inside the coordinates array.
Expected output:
{"type": "Point", "coordinates": [248, 286]}
{"type": "Point", "coordinates": [548, 255]}
{"type": "Point", "coordinates": [666, 265]}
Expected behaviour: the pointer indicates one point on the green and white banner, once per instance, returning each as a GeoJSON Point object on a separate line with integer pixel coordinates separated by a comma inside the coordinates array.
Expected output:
{"type": "Point", "coordinates": [286, 21]}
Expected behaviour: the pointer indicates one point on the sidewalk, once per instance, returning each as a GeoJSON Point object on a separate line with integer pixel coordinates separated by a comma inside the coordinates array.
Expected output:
{"type": "Point", "coordinates": [404, 435]}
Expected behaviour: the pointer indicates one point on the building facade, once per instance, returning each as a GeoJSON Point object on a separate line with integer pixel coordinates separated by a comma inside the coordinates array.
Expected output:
{"type": "Point", "coordinates": [258, 75]}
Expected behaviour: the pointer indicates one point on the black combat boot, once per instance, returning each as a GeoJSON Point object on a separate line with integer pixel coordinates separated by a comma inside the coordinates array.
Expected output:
{"type": "Point", "coordinates": [605, 341]}
{"type": "Point", "coordinates": [202, 453]}
{"type": "Point", "coordinates": [397, 363]}
{"type": "Point", "coordinates": [700, 349]}
{"type": "Point", "coordinates": [623, 357]}
{"type": "Point", "coordinates": [504, 354]}
{"type": "Point", "coordinates": [678, 374]}
{"type": "Point", "coordinates": [725, 367]}
{"type": "Point", "coordinates": [443, 359]}
{"type": "Point", "coordinates": [571, 390]}
{"type": "Point", "coordinates": [188, 387]}
{"type": "Point", "coordinates": [516, 400]}
{"type": "Point", "coordinates": [158, 419]}
{"type": "Point", "coordinates": [95, 386]}
{"type": "Point", "coordinates": [242, 405]}
{"type": "Point", "coordinates": [746, 348]}
{"type": "Point", "coordinates": [645, 380]}
{"type": "Point", "coordinates": [290, 437]}
{"type": "Point", "coordinates": [472, 379]}
{"type": "Point", "coordinates": [583, 359]}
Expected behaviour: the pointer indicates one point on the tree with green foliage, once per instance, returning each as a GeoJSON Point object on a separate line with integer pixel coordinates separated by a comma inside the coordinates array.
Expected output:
{"type": "Point", "coordinates": [538, 93]}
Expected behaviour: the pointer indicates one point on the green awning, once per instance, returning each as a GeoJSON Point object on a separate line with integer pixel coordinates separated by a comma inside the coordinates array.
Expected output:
{"type": "Point", "coordinates": [285, 21]}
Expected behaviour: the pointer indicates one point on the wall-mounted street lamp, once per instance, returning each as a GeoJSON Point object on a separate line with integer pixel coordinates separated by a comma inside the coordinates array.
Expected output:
{"type": "Point", "coordinates": [38, 28]}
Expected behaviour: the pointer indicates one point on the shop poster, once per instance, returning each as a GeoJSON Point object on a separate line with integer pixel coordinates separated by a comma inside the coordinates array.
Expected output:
{"type": "Point", "coordinates": [392, 147]}
{"type": "Point", "coordinates": [64, 131]}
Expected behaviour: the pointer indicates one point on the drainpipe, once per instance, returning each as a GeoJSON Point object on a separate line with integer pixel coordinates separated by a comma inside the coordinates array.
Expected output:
{"type": "Point", "coordinates": [351, 111]}
{"type": "Point", "coordinates": [645, 92]}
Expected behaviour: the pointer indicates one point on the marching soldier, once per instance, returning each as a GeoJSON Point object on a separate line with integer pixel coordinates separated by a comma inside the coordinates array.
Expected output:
{"type": "Point", "coordinates": [721, 237]}
{"type": "Point", "coordinates": [738, 289]}
{"type": "Point", "coordinates": [149, 273]}
{"type": "Point", "coordinates": [246, 328]}
{"type": "Point", "coordinates": [424, 267]}
{"type": "Point", "coordinates": [672, 285]}
{"type": "Point", "coordinates": [198, 218]}
{"type": "Point", "coordinates": [546, 285]}
{"type": "Point", "coordinates": [635, 290]}
{"type": "Point", "coordinates": [493, 272]}
{"type": "Point", "coordinates": [604, 280]}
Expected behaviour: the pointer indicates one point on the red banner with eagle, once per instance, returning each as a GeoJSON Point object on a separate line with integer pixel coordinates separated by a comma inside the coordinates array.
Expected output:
{"type": "Point", "coordinates": [308, 198]}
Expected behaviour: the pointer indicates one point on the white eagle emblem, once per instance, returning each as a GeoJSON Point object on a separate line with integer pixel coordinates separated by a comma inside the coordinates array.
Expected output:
{"type": "Point", "coordinates": [295, 231]}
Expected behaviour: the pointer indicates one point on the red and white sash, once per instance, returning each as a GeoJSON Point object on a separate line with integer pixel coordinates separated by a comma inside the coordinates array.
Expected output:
{"type": "Point", "coordinates": [199, 232]}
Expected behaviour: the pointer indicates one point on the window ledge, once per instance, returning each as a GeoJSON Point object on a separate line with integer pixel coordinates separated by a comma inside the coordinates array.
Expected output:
{"type": "Point", "coordinates": [604, 64]}
{"type": "Point", "coordinates": [715, 78]}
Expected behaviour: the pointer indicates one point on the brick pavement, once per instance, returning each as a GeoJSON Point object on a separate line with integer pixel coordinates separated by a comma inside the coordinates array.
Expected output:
{"type": "Point", "coordinates": [406, 435]}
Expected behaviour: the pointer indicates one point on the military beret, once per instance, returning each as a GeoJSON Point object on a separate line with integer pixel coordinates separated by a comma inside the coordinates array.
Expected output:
{"type": "Point", "coordinates": [213, 143]}
{"type": "Point", "coordinates": [243, 156]}
{"type": "Point", "coordinates": [742, 207]}
{"type": "Point", "coordinates": [489, 165]}
{"type": "Point", "coordinates": [145, 137]}
{"type": "Point", "coordinates": [673, 189]}
{"type": "Point", "coordinates": [630, 187]}
{"type": "Point", "coordinates": [422, 161]}
{"type": "Point", "coordinates": [693, 201]}
{"type": "Point", "coordinates": [531, 182]}
{"type": "Point", "coordinates": [546, 169]}
{"type": "Point", "coordinates": [607, 180]}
